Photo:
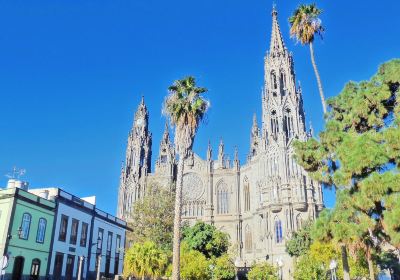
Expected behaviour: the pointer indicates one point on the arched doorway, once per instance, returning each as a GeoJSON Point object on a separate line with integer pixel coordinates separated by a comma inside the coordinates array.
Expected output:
{"type": "Point", "coordinates": [18, 268]}
{"type": "Point", "coordinates": [35, 269]}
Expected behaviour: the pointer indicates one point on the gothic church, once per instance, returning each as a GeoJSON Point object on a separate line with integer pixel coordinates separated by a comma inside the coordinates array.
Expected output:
{"type": "Point", "coordinates": [259, 204]}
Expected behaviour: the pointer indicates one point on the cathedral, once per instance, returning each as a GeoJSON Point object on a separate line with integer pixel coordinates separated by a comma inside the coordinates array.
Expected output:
{"type": "Point", "coordinates": [259, 203]}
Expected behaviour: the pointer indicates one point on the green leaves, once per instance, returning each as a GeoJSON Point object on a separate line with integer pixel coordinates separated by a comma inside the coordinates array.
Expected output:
{"type": "Point", "coordinates": [358, 153]}
{"type": "Point", "coordinates": [145, 260]}
{"type": "Point", "coordinates": [152, 217]}
{"type": "Point", "coordinates": [206, 239]}
{"type": "Point", "coordinates": [300, 242]}
{"type": "Point", "coordinates": [262, 271]}
{"type": "Point", "coordinates": [185, 107]}
{"type": "Point", "coordinates": [305, 23]}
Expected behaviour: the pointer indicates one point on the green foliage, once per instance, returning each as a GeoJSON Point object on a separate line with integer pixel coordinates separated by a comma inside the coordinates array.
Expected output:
{"type": "Point", "coordinates": [185, 107]}
{"type": "Point", "coordinates": [262, 271]}
{"type": "Point", "coordinates": [194, 265]}
{"type": "Point", "coordinates": [152, 218]}
{"type": "Point", "coordinates": [305, 23]}
{"type": "Point", "coordinates": [358, 153]}
{"type": "Point", "coordinates": [145, 260]}
{"type": "Point", "coordinates": [206, 239]}
{"type": "Point", "coordinates": [315, 263]}
{"type": "Point", "coordinates": [300, 242]}
{"type": "Point", "coordinates": [307, 268]}
{"type": "Point", "coordinates": [224, 268]}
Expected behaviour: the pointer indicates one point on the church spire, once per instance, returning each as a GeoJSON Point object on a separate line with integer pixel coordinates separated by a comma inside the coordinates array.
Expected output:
{"type": "Point", "coordinates": [277, 45]}
{"type": "Point", "coordinates": [165, 137]}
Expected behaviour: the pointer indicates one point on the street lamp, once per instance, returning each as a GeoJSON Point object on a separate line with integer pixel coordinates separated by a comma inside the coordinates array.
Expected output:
{"type": "Point", "coordinates": [280, 265]}
{"type": "Point", "coordinates": [19, 233]}
{"type": "Point", "coordinates": [332, 267]}
{"type": "Point", "coordinates": [237, 264]}
{"type": "Point", "coordinates": [98, 258]}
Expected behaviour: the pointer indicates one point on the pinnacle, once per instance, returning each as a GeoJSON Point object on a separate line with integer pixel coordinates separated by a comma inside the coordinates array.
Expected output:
{"type": "Point", "coordinates": [277, 44]}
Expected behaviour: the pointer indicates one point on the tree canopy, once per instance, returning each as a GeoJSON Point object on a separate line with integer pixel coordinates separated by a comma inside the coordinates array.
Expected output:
{"type": "Point", "coordinates": [359, 150]}
{"type": "Point", "coordinates": [206, 239]}
{"type": "Point", "coordinates": [358, 153]}
{"type": "Point", "coordinates": [262, 271]}
{"type": "Point", "coordinates": [145, 260]}
{"type": "Point", "coordinates": [300, 242]}
{"type": "Point", "coordinates": [152, 217]}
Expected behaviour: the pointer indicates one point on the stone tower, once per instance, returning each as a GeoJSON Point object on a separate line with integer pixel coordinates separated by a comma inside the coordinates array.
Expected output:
{"type": "Point", "coordinates": [260, 203]}
{"type": "Point", "coordinates": [137, 162]}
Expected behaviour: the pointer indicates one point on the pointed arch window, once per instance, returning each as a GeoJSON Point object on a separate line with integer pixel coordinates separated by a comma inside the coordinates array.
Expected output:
{"type": "Point", "coordinates": [248, 239]}
{"type": "Point", "coordinates": [273, 80]}
{"type": "Point", "coordinates": [282, 83]}
{"type": "Point", "coordinates": [246, 195]}
{"type": "Point", "coordinates": [222, 199]}
{"type": "Point", "coordinates": [274, 124]}
{"type": "Point", "coordinates": [25, 225]}
{"type": "Point", "coordinates": [288, 123]}
{"type": "Point", "coordinates": [278, 231]}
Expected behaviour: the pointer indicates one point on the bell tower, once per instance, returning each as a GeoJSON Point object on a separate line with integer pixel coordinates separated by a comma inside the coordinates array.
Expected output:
{"type": "Point", "coordinates": [282, 105]}
{"type": "Point", "coordinates": [137, 162]}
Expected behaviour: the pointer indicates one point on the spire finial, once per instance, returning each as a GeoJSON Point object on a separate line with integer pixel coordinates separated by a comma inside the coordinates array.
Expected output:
{"type": "Point", "coordinates": [277, 44]}
{"type": "Point", "coordinates": [254, 119]}
{"type": "Point", "coordinates": [166, 132]}
{"type": "Point", "coordinates": [209, 150]}
{"type": "Point", "coordinates": [236, 154]}
{"type": "Point", "coordinates": [274, 11]}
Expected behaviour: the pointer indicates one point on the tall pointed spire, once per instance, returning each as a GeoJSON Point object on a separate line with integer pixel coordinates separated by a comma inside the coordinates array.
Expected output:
{"type": "Point", "coordinates": [166, 133]}
{"type": "Point", "coordinates": [277, 45]}
{"type": "Point", "coordinates": [209, 151]}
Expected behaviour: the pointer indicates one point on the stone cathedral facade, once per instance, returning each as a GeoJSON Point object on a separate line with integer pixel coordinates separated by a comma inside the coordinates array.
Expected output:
{"type": "Point", "coordinates": [260, 203]}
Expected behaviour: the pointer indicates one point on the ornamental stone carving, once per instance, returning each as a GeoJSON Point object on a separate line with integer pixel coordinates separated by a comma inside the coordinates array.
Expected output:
{"type": "Point", "coordinates": [193, 187]}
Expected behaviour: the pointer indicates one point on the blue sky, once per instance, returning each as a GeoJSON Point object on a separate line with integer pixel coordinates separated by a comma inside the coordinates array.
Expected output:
{"type": "Point", "coordinates": [72, 73]}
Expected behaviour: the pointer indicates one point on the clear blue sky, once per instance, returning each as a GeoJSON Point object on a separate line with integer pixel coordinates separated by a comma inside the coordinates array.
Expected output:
{"type": "Point", "coordinates": [72, 73]}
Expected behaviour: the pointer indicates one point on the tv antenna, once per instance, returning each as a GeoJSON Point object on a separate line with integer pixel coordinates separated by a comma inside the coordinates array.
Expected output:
{"type": "Point", "coordinates": [16, 173]}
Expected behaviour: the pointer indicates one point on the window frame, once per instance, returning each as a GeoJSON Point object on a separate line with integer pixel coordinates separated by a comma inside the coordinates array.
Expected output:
{"type": "Point", "coordinates": [84, 238]}
{"type": "Point", "coordinates": [63, 238]}
{"type": "Point", "coordinates": [44, 231]}
{"type": "Point", "coordinates": [117, 243]}
{"type": "Point", "coordinates": [109, 242]}
{"type": "Point", "coordinates": [37, 263]}
{"type": "Point", "coordinates": [22, 235]}
{"type": "Point", "coordinates": [73, 237]}
{"type": "Point", "coordinates": [100, 248]}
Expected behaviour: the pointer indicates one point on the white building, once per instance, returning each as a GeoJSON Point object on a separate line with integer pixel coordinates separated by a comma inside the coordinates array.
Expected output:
{"type": "Point", "coordinates": [76, 244]}
{"type": "Point", "coordinates": [109, 239]}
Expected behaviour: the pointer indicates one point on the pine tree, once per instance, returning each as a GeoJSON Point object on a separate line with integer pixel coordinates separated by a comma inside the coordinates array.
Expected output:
{"type": "Point", "coordinates": [358, 153]}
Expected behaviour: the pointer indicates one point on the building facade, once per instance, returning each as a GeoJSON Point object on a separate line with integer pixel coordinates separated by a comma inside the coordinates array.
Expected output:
{"type": "Point", "coordinates": [260, 203]}
{"type": "Point", "coordinates": [26, 224]}
{"type": "Point", "coordinates": [77, 247]}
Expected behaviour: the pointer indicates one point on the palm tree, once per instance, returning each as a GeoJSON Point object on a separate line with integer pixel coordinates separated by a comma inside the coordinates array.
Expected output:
{"type": "Point", "coordinates": [305, 24]}
{"type": "Point", "coordinates": [185, 107]}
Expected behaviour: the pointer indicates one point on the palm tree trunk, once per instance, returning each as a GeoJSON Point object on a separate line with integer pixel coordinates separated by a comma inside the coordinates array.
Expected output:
{"type": "Point", "coordinates": [346, 270]}
{"type": "Point", "coordinates": [177, 222]}
{"type": "Point", "coordinates": [321, 92]}
{"type": "Point", "coordinates": [370, 264]}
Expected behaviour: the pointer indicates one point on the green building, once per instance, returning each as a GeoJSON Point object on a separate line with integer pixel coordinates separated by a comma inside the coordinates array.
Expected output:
{"type": "Point", "coordinates": [26, 229]}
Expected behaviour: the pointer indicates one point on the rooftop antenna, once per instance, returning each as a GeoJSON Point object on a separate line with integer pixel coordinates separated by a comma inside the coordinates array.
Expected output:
{"type": "Point", "coordinates": [16, 173]}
